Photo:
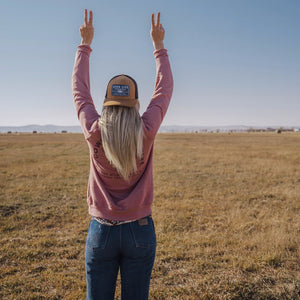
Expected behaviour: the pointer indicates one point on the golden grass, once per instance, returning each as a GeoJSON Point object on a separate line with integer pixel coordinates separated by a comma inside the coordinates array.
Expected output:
{"type": "Point", "coordinates": [226, 212]}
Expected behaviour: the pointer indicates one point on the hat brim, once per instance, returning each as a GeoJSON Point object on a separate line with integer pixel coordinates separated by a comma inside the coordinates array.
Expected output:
{"type": "Point", "coordinates": [120, 102]}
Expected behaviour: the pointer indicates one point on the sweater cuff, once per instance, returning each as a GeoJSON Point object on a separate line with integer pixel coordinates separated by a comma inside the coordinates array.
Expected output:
{"type": "Point", "coordinates": [160, 52]}
{"type": "Point", "coordinates": [85, 48]}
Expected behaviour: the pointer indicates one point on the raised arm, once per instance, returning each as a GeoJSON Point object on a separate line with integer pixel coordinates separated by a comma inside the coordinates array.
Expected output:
{"type": "Point", "coordinates": [84, 105]}
{"type": "Point", "coordinates": [154, 115]}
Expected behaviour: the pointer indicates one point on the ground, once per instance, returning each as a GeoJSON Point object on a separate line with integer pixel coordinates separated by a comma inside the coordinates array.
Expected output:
{"type": "Point", "coordinates": [226, 211]}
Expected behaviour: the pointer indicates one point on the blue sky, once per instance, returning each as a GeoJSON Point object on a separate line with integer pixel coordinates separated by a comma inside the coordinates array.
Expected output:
{"type": "Point", "coordinates": [234, 62]}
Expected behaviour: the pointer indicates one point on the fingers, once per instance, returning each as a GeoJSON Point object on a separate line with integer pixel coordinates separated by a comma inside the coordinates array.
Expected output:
{"type": "Point", "coordinates": [91, 18]}
{"type": "Point", "coordinates": [152, 20]}
{"type": "Point", "coordinates": [86, 21]}
{"type": "Point", "coordinates": [85, 17]}
{"type": "Point", "coordinates": [158, 19]}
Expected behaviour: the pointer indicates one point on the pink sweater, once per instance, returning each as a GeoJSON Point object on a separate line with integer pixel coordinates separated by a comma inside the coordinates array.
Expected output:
{"type": "Point", "coordinates": [108, 195]}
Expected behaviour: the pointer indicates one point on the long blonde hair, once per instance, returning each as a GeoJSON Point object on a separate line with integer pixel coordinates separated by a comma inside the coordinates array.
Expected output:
{"type": "Point", "coordinates": [122, 138]}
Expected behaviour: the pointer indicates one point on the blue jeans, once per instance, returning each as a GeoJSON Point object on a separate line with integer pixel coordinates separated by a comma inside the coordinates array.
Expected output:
{"type": "Point", "coordinates": [129, 247]}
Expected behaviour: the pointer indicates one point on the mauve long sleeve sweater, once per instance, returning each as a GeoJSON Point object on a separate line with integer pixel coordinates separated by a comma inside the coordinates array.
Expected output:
{"type": "Point", "coordinates": [109, 196]}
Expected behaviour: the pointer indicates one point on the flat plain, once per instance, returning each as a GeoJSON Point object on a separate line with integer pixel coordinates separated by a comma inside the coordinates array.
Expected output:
{"type": "Point", "coordinates": [226, 212]}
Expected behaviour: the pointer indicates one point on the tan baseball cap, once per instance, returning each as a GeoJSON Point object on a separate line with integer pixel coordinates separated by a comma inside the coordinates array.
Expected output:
{"type": "Point", "coordinates": [122, 91]}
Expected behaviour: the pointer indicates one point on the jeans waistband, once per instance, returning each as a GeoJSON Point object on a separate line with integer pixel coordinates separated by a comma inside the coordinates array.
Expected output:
{"type": "Point", "coordinates": [115, 222]}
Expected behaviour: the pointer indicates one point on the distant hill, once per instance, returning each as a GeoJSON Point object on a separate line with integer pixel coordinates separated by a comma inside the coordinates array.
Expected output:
{"type": "Point", "coordinates": [41, 128]}
{"type": "Point", "coordinates": [164, 129]}
{"type": "Point", "coordinates": [178, 128]}
{"type": "Point", "coordinates": [230, 128]}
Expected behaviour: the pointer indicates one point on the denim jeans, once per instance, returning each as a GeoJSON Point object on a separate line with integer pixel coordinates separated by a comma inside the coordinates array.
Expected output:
{"type": "Point", "coordinates": [129, 247]}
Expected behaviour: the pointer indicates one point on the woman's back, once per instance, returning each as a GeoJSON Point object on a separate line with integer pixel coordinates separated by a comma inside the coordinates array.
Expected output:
{"type": "Point", "coordinates": [109, 195]}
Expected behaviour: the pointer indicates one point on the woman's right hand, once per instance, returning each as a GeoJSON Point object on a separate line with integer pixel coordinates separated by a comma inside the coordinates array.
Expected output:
{"type": "Point", "coordinates": [157, 33]}
{"type": "Point", "coordinates": [87, 29]}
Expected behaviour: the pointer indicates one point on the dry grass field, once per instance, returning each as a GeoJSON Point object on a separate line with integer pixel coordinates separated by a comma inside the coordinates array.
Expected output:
{"type": "Point", "coordinates": [226, 211]}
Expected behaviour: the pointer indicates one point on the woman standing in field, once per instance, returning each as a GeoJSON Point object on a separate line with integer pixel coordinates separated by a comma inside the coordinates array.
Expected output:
{"type": "Point", "coordinates": [121, 234]}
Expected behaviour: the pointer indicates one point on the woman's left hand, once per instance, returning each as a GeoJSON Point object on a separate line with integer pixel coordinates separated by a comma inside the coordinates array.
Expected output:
{"type": "Point", "coordinates": [157, 32]}
{"type": "Point", "coordinates": [87, 29]}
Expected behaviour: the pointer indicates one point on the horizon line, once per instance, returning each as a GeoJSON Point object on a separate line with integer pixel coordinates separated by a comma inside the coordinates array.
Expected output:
{"type": "Point", "coordinates": [168, 125]}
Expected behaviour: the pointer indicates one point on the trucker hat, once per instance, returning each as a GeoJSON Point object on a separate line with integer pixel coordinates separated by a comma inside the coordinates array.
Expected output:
{"type": "Point", "coordinates": [122, 91]}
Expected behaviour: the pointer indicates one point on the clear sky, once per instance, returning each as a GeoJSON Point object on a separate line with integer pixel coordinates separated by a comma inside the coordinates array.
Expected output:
{"type": "Point", "coordinates": [235, 62]}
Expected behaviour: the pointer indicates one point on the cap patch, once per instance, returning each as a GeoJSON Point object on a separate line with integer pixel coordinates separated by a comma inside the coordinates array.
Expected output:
{"type": "Point", "coordinates": [120, 90]}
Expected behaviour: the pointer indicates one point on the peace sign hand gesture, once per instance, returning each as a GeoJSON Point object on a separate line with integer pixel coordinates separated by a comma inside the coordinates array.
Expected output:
{"type": "Point", "coordinates": [87, 29]}
{"type": "Point", "coordinates": [157, 33]}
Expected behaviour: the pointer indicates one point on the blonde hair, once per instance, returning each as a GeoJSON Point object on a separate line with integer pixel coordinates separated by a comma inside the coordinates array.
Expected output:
{"type": "Point", "coordinates": [122, 138]}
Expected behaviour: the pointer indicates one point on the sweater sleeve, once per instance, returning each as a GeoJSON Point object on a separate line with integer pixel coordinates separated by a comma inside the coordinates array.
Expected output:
{"type": "Point", "coordinates": [155, 112]}
{"type": "Point", "coordinates": [83, 101]}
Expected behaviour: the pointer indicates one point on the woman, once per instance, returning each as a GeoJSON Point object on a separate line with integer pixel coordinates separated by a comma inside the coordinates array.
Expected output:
{"type": "Point", "coordinates": [121, 233]}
